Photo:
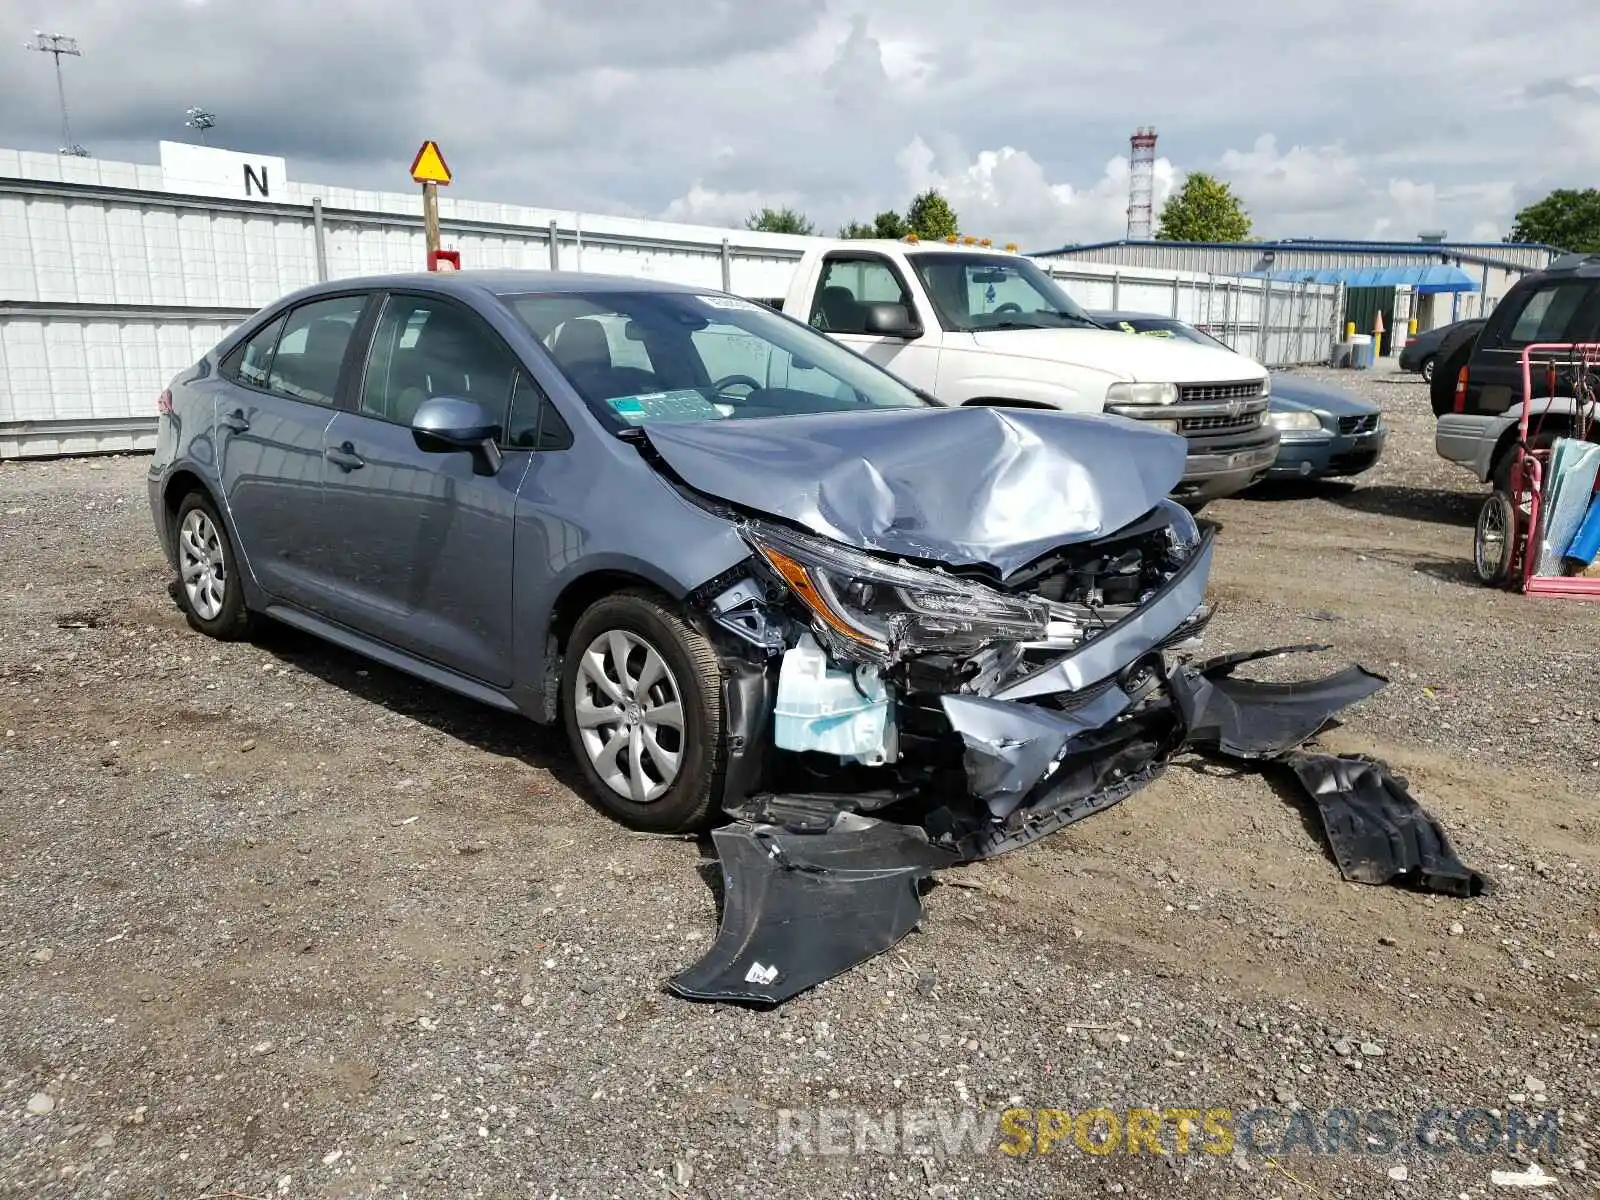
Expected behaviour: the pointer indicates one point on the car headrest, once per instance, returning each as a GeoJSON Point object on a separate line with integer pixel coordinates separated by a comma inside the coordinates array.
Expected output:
{"type": "Point", "coordinates": [581, 342]}
{"type": "Point", "coordinates": [326, 339]}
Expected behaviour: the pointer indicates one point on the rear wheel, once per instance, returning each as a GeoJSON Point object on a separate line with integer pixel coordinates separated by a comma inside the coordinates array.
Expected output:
{"type": "Point", "coordinates": [1427, 369]}
{"type": "Point", "coordinates": [208, 580]}
{"type": "Point", "coordinates": [642, 702]}
{"type": "Point", "coordinates": [1494, 539]}
{"type": "Point", "coordinates": [1500, 473]}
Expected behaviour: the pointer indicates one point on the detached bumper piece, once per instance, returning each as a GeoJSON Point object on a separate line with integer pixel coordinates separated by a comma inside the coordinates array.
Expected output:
{"type": "Point", "coordinates": [802, 904]}
{"type": "Point", "coordinates": [812, 887]}
{"type": "Point", "coordinates": [1377, 830]}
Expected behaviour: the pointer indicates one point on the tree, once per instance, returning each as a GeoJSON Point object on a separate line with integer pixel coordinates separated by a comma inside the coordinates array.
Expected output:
{"type": "Point", "coordinates": [780, 220]}
{"type": "Point", "coordinates": [888, 224]}
{"type": "Point", "coordinates": [1566, 218]}
{"type": "Point", "coordinates": [931, 217]}
{"type": "Point", "coordinates": [1203, 210]}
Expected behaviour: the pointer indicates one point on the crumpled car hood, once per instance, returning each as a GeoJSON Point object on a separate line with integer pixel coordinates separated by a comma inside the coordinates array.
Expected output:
{"type": "Point", "coordinates": [961, 486]}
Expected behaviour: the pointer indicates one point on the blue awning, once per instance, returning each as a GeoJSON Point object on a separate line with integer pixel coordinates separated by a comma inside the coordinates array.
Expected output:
{"type": "Point", "coordinates": [1437, 277]}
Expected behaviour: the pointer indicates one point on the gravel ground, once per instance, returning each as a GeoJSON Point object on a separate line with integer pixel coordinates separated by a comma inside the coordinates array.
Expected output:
{"type": "Point", "coordinates": [280, 922]}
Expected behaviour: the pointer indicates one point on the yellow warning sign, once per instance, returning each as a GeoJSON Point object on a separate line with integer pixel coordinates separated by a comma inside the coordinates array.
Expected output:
{"type": "Point", "coordinates": [429, 165]}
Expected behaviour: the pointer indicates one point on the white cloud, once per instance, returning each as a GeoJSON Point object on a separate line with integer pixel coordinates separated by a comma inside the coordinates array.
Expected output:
{"type": "Point", "coordinates": [709, 108]}
{"type": "Point", "coordinates": [706, 206]}
{"type": "Point", "coordinates": [1007, 195]}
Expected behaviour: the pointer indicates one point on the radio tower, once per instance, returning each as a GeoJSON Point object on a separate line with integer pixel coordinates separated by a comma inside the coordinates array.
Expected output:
{"type": "Point", "coordinates": [1141, 183]}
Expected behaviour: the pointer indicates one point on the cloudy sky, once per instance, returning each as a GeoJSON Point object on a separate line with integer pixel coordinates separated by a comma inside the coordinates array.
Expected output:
{"type": "Point", "coordinates": [1360, 118]}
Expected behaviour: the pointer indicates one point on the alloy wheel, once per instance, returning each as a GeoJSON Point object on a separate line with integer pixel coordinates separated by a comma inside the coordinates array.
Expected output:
{"type": "Point", "coordinates": [202, 565]}
{"type": "Point", "coordinates": [630, 715]}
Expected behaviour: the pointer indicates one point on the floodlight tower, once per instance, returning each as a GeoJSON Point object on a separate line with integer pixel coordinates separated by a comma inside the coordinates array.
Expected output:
{"type": "Point", "coordinates": [1141, 183]}
{"type": "Point", "coordinates": [56, 45]}
{"type": "Point", "coordinates": [200, 120]}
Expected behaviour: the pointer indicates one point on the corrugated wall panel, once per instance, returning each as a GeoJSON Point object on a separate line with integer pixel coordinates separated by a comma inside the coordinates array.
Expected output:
{"type": "Point", "coordinates": [110, 252]}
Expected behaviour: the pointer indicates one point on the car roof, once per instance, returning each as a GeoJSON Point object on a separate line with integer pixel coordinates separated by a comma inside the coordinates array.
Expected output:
{"type": "Point", "coordinates": [1586, 266]}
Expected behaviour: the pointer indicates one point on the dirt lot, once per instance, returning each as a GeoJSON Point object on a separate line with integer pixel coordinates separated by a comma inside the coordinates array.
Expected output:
{"type": "Point", "coordinates": [279, 922]}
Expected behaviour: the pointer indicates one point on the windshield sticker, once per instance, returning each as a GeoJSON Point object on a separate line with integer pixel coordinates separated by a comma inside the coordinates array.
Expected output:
{"type": "Point", "coordinates": [732, 302]}
{"type": "Point", "coordinates": [681, 404]}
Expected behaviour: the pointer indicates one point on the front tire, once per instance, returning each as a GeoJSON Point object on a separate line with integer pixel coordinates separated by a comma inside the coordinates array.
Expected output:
{"type": "Point", "coordinates": [641, 698]}
{"type": "Point", "coordinates": [209, 589]}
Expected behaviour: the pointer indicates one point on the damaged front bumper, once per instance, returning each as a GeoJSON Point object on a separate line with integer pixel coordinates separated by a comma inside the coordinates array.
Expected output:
{"type": "Point", "coordinates": [965, 736]}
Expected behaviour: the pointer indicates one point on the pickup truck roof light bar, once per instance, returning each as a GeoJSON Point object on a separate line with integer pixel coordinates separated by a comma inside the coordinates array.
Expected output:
{"type": "Point", "coordinates": [954, 239]}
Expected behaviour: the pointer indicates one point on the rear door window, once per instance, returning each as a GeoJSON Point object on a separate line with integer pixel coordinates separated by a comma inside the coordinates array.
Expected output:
{"type": "Point", "coordinates": [1550, 314]}
{"type": "Point", "coordinates": [311, 352]}
{"type": "Point", "coordinates": [250, 363]}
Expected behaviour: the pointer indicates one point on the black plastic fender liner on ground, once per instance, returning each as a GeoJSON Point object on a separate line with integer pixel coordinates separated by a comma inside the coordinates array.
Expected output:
{"type": "Point", "coordinates": [800, 908]}
{"type": "Point", "coordinates": [1378, 832]}
{"type": "Point", "coordinates": [1251, 719]}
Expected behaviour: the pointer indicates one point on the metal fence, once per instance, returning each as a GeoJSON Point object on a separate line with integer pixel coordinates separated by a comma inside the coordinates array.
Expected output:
{"type": "Point", "coordinates": [1277, 324]}
{"type": "Point", "coordinates": [110, 284]}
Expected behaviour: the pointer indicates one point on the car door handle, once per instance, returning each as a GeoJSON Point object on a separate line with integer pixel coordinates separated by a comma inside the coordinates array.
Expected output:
{"type": "Point", "coordinates": [344, 456]}
{"type": "Point", "coordinates": [237, 421]}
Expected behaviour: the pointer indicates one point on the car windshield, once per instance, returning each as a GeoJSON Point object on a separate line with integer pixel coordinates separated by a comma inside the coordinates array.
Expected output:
{"type": "Point", "coordinates": [637, 357]}
{"type": "Point", "coordinates": [995, 291]}
{"type": "Point", "coordinates": [1164, 327]}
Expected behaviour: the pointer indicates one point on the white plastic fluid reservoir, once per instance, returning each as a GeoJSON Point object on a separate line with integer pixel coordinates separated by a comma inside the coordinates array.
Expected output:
{"type": "Point", "coordinates": [821, 707]}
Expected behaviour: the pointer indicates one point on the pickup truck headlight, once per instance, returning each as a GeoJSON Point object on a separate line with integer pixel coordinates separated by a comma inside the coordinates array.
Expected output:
{"type": "Point", "coordinates": [872, 603]}
{"type": "Point", "coordinates": [1142, 394]}
{"type": "Point", "coordinates": [1287, 421]}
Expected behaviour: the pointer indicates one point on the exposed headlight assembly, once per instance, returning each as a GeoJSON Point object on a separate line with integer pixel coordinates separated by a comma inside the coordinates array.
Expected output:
{"type": "Point", "coordinates": [875, 605]}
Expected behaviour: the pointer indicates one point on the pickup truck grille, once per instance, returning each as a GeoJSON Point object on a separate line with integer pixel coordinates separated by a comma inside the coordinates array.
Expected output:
{"type": "Point", "coordinates": [1217, 393]}
{"type": "Point", "coordinates": [1219, 424]}
{"type": "Point", "coordinates": [1362, 424]}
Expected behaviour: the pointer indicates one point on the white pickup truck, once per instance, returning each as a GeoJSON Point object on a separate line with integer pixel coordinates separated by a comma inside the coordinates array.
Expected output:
{"type": "Point", "coordinates": [972, 325]}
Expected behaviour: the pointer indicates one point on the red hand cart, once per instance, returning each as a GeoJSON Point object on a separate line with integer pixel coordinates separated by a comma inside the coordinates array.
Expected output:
{"type": "Point", "coordinates": [1506, 547]}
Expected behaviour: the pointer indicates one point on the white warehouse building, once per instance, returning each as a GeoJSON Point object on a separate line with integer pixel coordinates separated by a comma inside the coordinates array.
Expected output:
{"type": "Point", "coordinates": [1431, 280]}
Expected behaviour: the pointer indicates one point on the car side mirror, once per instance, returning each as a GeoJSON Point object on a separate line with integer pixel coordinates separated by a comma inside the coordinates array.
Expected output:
{"type": "Point", "coordinates": [445, 423]}
{"type": "Point", "coordinates": [889, 320]}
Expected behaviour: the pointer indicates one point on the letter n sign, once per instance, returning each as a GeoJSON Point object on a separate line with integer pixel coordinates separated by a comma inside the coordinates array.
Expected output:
{"type": "Point", "coordinates": [254, 182]}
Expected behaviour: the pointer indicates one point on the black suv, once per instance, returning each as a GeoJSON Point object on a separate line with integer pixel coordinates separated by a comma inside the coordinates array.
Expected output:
{"type": "Point", "coordinates": [1477, 385]}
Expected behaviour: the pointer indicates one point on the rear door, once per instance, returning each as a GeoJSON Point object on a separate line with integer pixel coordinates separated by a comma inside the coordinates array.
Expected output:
{"type": "Point", "coordinates": [278, 397]}
{"type": "Point", "coordinates": [423, 544]}
{"type": "Point", "coordinates": [1555, 310]}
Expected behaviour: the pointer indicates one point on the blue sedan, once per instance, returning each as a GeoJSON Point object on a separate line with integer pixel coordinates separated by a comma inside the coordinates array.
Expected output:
{"type": "Point", "coordinates": [1326, 433]}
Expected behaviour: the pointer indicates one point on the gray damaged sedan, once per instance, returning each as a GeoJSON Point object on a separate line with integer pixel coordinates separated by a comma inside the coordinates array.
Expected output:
{"type": "Point", "coordinates": [752, 573]}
